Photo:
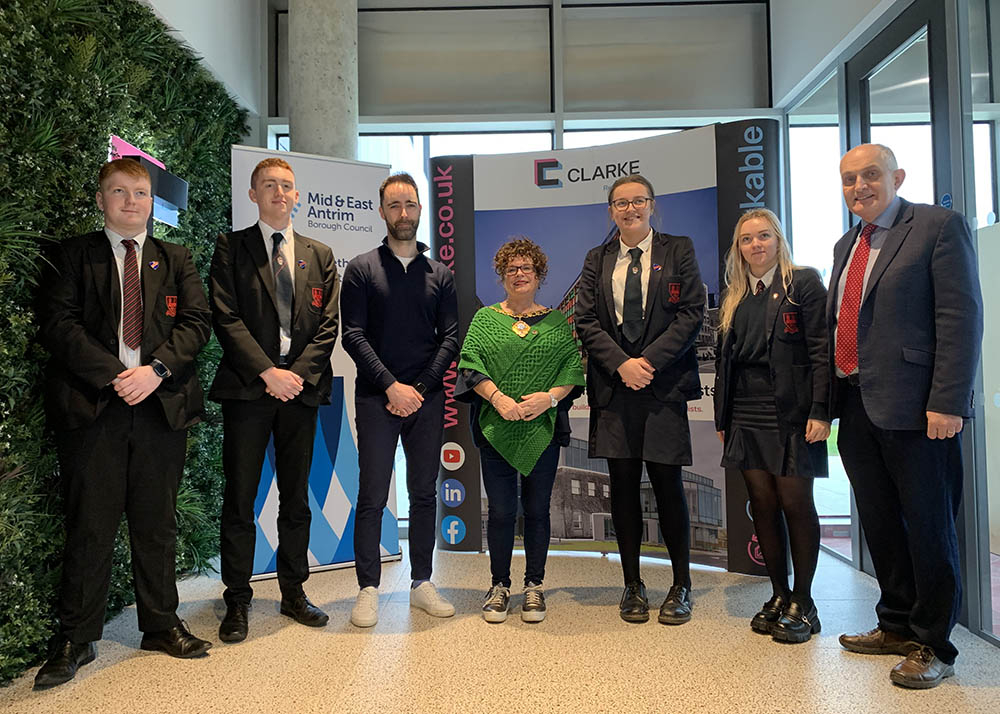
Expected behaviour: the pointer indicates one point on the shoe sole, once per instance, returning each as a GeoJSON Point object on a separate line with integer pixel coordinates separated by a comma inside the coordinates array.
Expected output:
{"type": "Point", "coordinates": [919, 683]}
{"type": "Point", "coordinates": [635, 618]}
{"type": "Point", "coordinates": [495, 617]}
{"type": "Point", "coordinates": [673, 620]}
{"type": "Point", "coordinates": [357, 622]}
{"type": "Point", "coordinates": [48, 684]}
{"type": "Point", "coordinates": [232, 638]}
{"type": "Point", "coordinates": [762, 630]}
{"type": "Point", "coordinates": [902, 649]}
{"type": "Point", "coordinates": [440, 613]}
{"type": "Point", "coordinates": [187, 655]}
{"type": "Point", "coordinates": [532, 615]}
{"type": "Point", "coordinates": [780, 635]}
{"type": "Point", "coordinates": [316, 623]}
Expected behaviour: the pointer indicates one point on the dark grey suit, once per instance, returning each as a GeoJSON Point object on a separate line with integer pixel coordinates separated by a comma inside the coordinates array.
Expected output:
{"type": "Point", "coordinates": [920, 325]}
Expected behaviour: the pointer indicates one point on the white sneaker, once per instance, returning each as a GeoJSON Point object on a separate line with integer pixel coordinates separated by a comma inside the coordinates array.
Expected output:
{"type": "Point", "coordinates": [365, 610]}
{"type": "Point", "coordinates": [426, 597]}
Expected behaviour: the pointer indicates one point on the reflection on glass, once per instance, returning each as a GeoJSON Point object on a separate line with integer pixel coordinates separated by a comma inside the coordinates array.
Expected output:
{"type": "Point", "coordinates": [581, 139]}
{"type": "Point", "coordinates": [513, 143]}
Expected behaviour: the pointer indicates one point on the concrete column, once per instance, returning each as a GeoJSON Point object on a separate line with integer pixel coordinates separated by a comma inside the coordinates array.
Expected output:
{"type": "Point", "coordinates": [323, 77]}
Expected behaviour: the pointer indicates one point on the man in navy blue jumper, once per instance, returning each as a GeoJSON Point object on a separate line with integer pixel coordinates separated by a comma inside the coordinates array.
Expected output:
{"type": "Point", "coordinates": [400, 318]}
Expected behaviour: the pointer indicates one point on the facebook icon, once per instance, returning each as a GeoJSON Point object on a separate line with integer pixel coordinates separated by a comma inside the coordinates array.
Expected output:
{"type": "Point", "coordinates": [452, 529]}
{"type": "Point", "coordinates": [452, 492]}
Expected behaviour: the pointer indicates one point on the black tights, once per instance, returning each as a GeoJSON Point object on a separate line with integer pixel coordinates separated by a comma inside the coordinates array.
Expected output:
{"type": "Point", "coordinates": [671, 505]}
{"type": "Point", "coordinates": [770, 497]}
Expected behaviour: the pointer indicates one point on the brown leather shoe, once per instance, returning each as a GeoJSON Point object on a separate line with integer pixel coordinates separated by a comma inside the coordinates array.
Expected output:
{"type": "Point", "coordinates": [878, 641]}
{"type": "Point", "coordinates": [920, 670]}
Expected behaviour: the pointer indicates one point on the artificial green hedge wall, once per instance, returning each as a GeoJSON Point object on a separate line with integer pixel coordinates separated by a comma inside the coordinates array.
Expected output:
{"type": "Point", "coordinates": [73, 72]}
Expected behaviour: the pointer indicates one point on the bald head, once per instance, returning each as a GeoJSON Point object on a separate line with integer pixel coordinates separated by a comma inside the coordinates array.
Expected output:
{"type": "Point", "coordinates": [870, 178]}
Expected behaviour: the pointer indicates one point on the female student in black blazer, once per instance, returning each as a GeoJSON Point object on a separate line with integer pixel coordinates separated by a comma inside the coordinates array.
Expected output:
{"type": "Point", "coordinates": [771, 397]}
{"type": "Point", "coordinates": [638, 313]}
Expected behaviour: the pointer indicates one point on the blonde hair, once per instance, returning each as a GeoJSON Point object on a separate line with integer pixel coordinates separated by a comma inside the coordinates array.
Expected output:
{"type": "Point", "coordinates": [738, 270]}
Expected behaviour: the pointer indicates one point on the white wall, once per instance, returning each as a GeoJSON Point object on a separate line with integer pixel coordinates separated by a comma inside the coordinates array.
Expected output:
{"type": "Point", "coordinates": [226, 34]}
{"type": "Point", "coordinates": [806, 34]}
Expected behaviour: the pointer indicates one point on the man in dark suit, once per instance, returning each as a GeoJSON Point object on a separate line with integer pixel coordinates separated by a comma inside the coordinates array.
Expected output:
{"type": "Point", "coordinates": [123, 316]}
{"type": "Point", "coordinates": [274, 306]}
{"type": "Point", "coordinates": [906, 321]}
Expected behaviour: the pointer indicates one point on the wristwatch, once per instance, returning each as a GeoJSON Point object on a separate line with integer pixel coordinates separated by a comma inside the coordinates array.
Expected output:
{"type": "Point", "coordinates": [420, 387]}
{"type": "Point", "coordinates": [553, 402]}
{"type": "Point", "coordinates": [159, 369]}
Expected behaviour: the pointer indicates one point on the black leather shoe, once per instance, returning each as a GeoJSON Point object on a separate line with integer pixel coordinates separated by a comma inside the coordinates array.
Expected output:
{"type": "Point", "coordinates": [676, 609]}
{"type": "Point", "coordinates": [634, 606]}
{"type": "Point", "coordinates": [765, 618]}
{"type": "Point", "coordinates": [234, 624]}
{"type": "Point", "coordinates": [176, 642]}
{"type": "Point", "coordinates": [796, 624]}
{"type": "Point", "coordinates": [65, 658]}
{"type": "Point", "coordinates": [303, 611]}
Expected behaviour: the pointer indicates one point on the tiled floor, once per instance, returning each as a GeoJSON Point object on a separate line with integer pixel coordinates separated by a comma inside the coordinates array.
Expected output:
{"type": "Point", "coordinates": [583, 658]}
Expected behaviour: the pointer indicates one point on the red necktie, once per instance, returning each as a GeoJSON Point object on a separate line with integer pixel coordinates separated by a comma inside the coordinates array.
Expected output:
{"type": "Point", "coordinates": [846, 355]}
{"type": "Point", "coordinates": [760, 287]}
{"type": "Point", "coordinates": [131, 299]}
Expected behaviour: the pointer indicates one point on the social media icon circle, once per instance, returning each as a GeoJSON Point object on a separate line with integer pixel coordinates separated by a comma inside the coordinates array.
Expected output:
{"type": "Point", "coordinates": [452, 455]}
{"type": "Point", "coordinates": [452, 530]}
{"type": "Point", "coordinates": [452, 492]}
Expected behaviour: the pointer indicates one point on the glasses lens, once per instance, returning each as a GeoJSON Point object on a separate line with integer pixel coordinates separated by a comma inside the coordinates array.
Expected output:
{"type": "Point", "coordinates": [639, 202]}
{"type": "Point", "coordinates": [526, 269]}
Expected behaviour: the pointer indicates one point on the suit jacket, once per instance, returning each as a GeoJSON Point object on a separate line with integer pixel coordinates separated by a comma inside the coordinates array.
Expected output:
{"type": "Point", "coordinates": [245, 316]}
{"type": "Point", "coordinates": [798, 355]}
{"type": "Point", "coordinates": [80, 311]}
{"type": "Point", "coordinates": [920, 324]}
{"type": "Point", "coordinates": [675, 308]}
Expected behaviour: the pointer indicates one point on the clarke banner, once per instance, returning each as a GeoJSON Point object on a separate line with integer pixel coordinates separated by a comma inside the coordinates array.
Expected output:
{"type": "Point", "coordinates": [704, 179]}
{"type": "Point", "coordinates": [338, 206]}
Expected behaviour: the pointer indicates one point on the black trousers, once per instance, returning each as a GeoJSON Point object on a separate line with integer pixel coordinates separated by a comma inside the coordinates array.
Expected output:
{"type": "Point", "coordinates": [378, 433]}
{"type": "Point", "coordinates": [128, 461]}
{"type": "Point", "coordinates": [908, 489]}
{"type": "Point", "coordinates": [247, 428]}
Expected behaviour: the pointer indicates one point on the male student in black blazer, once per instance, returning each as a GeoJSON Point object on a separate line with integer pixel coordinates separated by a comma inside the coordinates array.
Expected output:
{"type": "Point", "coordinates": [906, 320]}
{"type": "Point", "coordinates": [274, 306]}
{"type": "Point", "coordinates": [123, 316]}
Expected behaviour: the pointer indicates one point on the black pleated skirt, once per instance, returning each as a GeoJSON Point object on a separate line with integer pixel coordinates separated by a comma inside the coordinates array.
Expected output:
{"type": "Point", "coordinates": [753, 440]}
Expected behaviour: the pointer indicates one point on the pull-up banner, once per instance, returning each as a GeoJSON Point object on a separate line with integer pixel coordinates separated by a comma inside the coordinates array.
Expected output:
{"type": "Point", "coordinates": [559, 200]}
{"type": "Point", "coordinates": [338, 206]}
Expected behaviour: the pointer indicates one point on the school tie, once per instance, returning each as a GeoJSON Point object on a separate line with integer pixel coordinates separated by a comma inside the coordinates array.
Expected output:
{"type": "Point", "coordinates": [632, 307]}
{"type": "Point", "coordinates": [131, 298]}
{"type": "Point", "coordinates": [846, 355]}
{"type": "Point", "coordinates": [760, 288]}
{"type": "Point", "coordinates": [282, 284]}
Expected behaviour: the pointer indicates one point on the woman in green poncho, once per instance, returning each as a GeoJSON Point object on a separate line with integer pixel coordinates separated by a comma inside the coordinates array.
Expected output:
{"type": "Point", "coordinates": [521, 369]}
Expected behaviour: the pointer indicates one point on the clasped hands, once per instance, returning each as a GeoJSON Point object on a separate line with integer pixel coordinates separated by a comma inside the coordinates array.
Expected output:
{"type": "Point", "coordinates": [404, 399]}
{"type": "Point", "coordinates": [530, 407]}
{"type": "Point", "coordinates": [636, 372]}
{"type": "Point", "coordinates": [136, 383]}
{"type": "Point", "coordinates": [282, 384]}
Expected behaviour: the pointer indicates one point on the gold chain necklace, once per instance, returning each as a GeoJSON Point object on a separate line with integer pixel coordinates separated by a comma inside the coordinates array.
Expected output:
{"type": "Point", "coordinates": [520, 327]}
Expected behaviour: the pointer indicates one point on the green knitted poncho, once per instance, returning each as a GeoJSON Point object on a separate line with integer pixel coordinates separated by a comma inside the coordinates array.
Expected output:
{"type": "Point", "coordinates": [546, 357]}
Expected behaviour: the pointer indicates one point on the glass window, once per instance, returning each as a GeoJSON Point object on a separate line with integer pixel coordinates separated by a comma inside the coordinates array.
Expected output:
{"type": "Point", "coordinates": [591, 488]}
{"type": "Point", "coordinates": [579, 139]}
{"type": "Point", "coordinates": [574, 486]}
{"type": "Point", "coordinates": [607, 490]}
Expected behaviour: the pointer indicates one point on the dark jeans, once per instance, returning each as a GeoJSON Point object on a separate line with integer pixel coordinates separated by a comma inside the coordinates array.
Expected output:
{"type": "Point", "coordinates": [247, 426]}
{"type": "Point", "coordinates": [908, 489]}
{"type": "Point", "coordinates": [501, 481]}
{"type": "Point", "coordinates": [378, 432]}
{"type": "Point", "coordinates": [128, 461]}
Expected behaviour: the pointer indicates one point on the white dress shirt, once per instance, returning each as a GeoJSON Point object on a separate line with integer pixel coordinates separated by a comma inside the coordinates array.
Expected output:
{"type": "Point", "coordinates": [288, 253]}
{"type": "Point", "coordinates": [129, 357]}
{"type": "Point", "coordinates": [621, 272]}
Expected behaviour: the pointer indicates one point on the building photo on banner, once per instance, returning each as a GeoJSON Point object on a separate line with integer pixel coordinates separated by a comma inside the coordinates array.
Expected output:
{"type": "Point", "coordinates": [558, 199]}
{"type": "Point", "coordinates": [338, 206]}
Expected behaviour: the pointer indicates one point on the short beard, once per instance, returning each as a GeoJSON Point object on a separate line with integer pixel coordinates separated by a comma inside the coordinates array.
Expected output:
{"type": "Point", "coordinates": [395, 232]}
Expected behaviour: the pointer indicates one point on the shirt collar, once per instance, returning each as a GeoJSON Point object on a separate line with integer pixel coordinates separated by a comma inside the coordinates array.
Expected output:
{"type": "Point", "coordinates": [767, 278]}
{"type": "Point", "coordinates": [645, 244]}
{"type": "Point", "coordinates": [267, 231]}
{"type": "Point", "coordinates": [421, 247]}
{"type": "Point", "coordinates": [116, 238]}
{"type": "Point", "coordinates": [888, 216]}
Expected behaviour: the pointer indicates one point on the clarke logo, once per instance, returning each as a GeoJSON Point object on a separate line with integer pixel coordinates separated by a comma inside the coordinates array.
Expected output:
{"type": "Point", "coordinates": [546, 172]}
{"type": "Point", "coordinates": [542, 167]}
{"type": "Point", "coordinates": [452, 493]}
{"type": "Point", "coordinates": [452, 530]}
{"type": "Point", "coordinates": [452, 455]}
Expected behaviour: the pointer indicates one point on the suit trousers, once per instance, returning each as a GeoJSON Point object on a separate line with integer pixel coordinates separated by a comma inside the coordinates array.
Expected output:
{"type": "Point", "coordinates": [247, 428]}
{"type": "Point", "coordinates": [378, 433]}
{"type": "Point", "coordinates": [127, 461]}
{"type": "Point", "coordinates": [908, 489]}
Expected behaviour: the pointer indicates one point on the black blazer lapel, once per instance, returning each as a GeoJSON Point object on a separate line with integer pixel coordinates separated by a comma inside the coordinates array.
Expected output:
{"type": "Point", "coordinates": [104, 270]}
{"type": "Point", "coordinates": [607, 271]}
{"type": "Point", "coordinates": [890, 246]}
{"type": "Point", "coordinates": [152, 279]}
{"type": "Point", "coordinates": [777, 290]}
{"type": "Point", "coordinates": [258, 251]}
{"type": "Point", "coordinates": [304, 252]}
{"type": "Point", "coordinates": [658, 255]}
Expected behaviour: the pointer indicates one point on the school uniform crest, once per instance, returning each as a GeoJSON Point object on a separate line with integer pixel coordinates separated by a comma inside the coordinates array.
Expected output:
{"type": "Point", "coordinates": [674, 291]}
{"type": "Point", "coordinates": [171, 301]}
{"type": "Point", "coordinates": [317, 294]}
{"type": "Point", "coordinates": [791, 322]}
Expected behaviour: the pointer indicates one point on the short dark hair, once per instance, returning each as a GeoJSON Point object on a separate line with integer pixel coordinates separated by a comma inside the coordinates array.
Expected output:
{"type": "Point", "coordinates": [126, 165]}
{"type": "Point", "coordinates": [631, 178]}
{"type": "Point", "coordinates": [401, 177]}
{"type": "Point", "coordinates": [271, 163]}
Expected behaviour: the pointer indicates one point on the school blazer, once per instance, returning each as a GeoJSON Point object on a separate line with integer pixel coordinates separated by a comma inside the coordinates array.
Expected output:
{"type": "Point", "coordinates": [245, 316]}
{"type": "Point", "coordinates": [797, 349]}
{"type": "Point", "coordinates": [674, 311]}
{"type": "Point", "coordinates": [80, 310]}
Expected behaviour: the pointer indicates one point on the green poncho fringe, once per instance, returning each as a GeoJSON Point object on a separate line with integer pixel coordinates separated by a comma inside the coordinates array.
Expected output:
{"type": "Point", "coordinates": [546, 357]}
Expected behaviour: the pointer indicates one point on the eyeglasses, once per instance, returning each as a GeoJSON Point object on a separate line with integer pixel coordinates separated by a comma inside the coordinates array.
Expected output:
{"type": "Point", "coordinates": [526, 269]}
{"type": "Point", "coordinates": [622, 204]}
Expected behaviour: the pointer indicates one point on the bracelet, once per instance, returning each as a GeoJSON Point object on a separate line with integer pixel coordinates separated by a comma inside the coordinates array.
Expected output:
{"type": "Point", "coordinates": [490, 400]}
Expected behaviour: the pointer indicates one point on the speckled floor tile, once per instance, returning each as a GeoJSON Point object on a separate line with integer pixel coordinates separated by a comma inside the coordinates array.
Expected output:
{"type": "Point", "coordinates": [582, 658]}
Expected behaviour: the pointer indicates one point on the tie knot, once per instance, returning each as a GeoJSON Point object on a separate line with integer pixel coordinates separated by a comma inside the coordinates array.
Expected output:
{"type": "Point", "coordinates": [636, 253]}
{"type": "Point", "coordinates": [129, 244]}
{"type": "Point", "coordinates": [278, 237]}
{"type": "Point", "coordinates": [866, 232]}
{"type": "Point", "coordinates": [759, 288]}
